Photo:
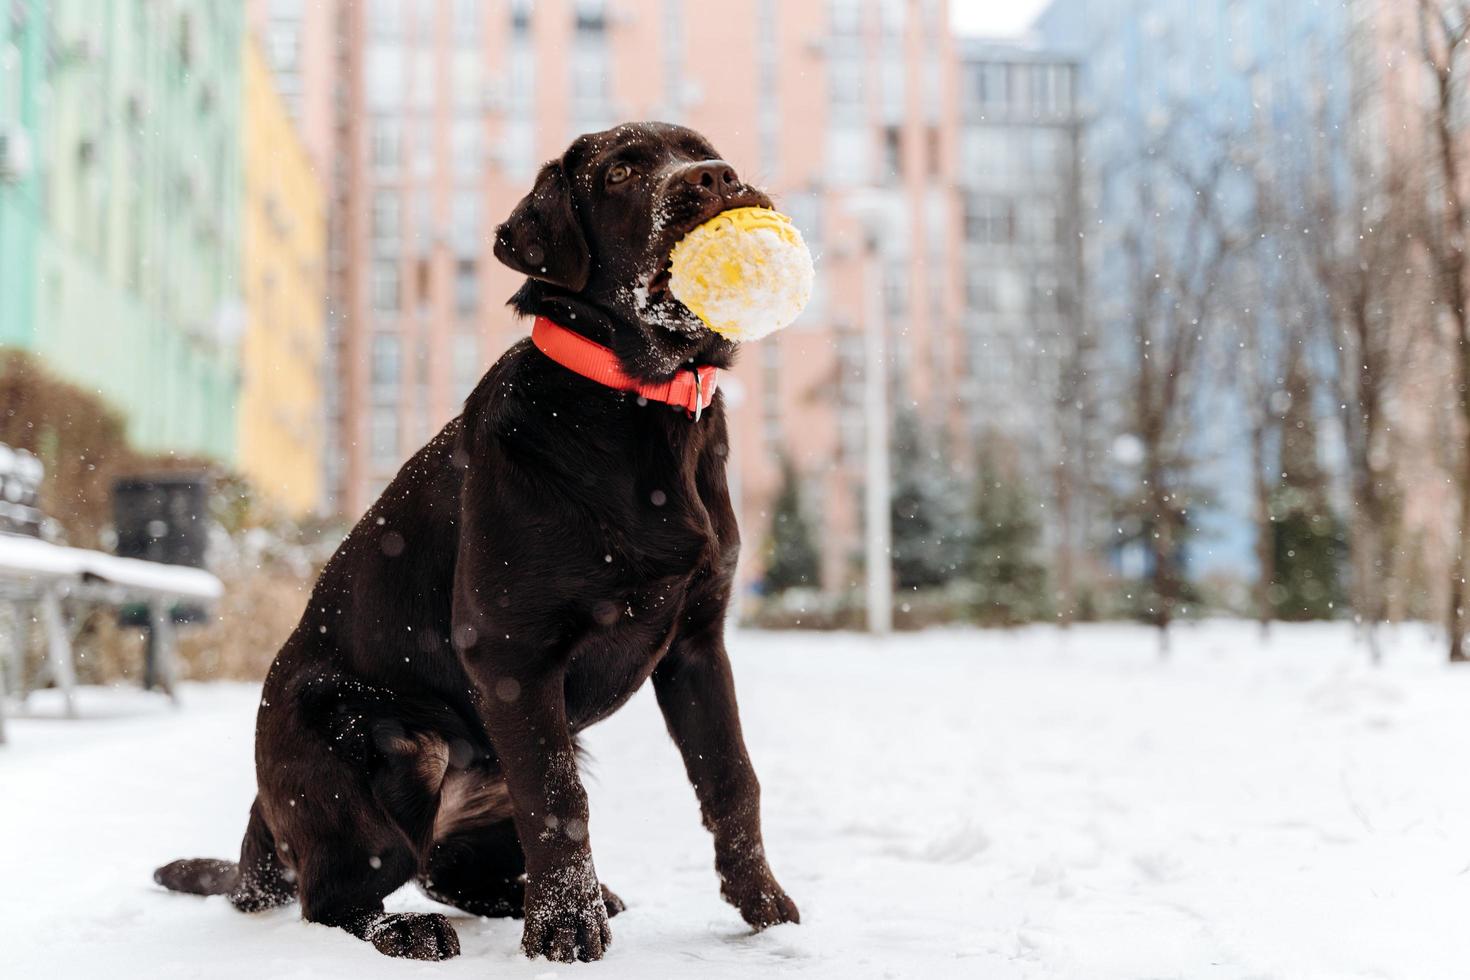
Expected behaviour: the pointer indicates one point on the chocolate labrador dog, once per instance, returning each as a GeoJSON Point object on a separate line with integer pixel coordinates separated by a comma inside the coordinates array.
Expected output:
{"type": "Point", "coordinates": [557, 544]}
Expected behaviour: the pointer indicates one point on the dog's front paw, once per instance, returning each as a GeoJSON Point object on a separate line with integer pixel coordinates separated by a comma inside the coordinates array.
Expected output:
{"type": "Point", "coordinates": [566, 916]}
{"type": "Point", "coordinates": [414, 935]}
{"type": "Point", "coordinates": [760, 898]}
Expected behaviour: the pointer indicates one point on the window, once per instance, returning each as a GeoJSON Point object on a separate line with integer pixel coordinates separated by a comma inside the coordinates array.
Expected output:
{"type": "Point", "coordinates": [384, 18]}
{"type": "Point", "coordinates": [590, 67]}
{"type": "Point", "coordinates": [518, 147]}
{"type": "Point", "coordinates": [423, 280]}
{"type": "Point", "coordinates": [1063, 96]}
{"type": "Point", "coordinates": [894, 15]}
{"type": "Point", "coordinates": [937, 211]}
{"type": "Point", "coordinates": [421, 218]}
{"type": "Point", "coordinates": [385, 285]}
{"type": "Point", "coordinates": [805, 209]}
{"type": "Point", "coordinates": [466, 286]}
{"type": "Point", "coordinates": [589, 75]}
{"type": "Point", "coordinates": [10, 69]}
{"type": "Point", "coordinates": [466, 81]}
{"type": "Point", "coordinates": [983, 153]}
{"type": "Point", "coordinates": [891, 85]}
{"type": "Point", "coordinates": [383, 435]}
{"type": "Point", "coordinates": [387, 146]}
{"type": "Point", "coordinates": [896, 294]}
{"type": "Point", "coordinates": [933, 81]}
{"type": "Point", "coordinates": [846, 16]}
{"type": "Point", "coordinates": [422, 148]}
{"type": "Point", "coordinates": [1043, 97]}
{"type": "Point", "coordinates": [989, 220]}
{"type": "Point", "coordinates": [845, 81]}
{"type": "Point", "coordinates": [591, 15]}
{"type": "Point", "coordinates": [467, 22]}
{"type": "Point", "coordinates": [385, 78]}
{"type": "Point", "coordinates": [979, 293]}
{"type": "Point", "coordinates": [1046, 294]}
{"type": "Point", "coordinates": [387, 365]}
{"type": "Point", "coordinates": [847, 154]}
{"type": "Point", "coordinates": [466, 366]}
{"type": "Point", "coordinates": [1041, 222]}
{"type": "Point", "coordinates": [466, 147]}
{"type": "Point", "coordinates": [423, 80]}
{"type": "Point", "coordinates": [422, 15]}
{"type": "Point", "coordinates": [520, 16]}
{"type": "Point", "coordinates": [465, 230]}
{"type": "Point", "coordinates": [521, 76]}
{"type": "Point", "coordinates": [892, 154]}
{"type": "Point", "coordinates": [993, 84]}
{"type": "Point", "coordinates": [283, 48]}
{"type": "Point", "coordinates": [1046, 151]}
{"type": "Point", "coordinates": [386, 225]}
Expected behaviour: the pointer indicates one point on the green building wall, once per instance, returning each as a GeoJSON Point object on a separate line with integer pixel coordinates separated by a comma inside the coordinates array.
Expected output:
{"type": "Point", "coordinates": [138, 253]}
{"type": "Point", "coordinates": [22, 68]}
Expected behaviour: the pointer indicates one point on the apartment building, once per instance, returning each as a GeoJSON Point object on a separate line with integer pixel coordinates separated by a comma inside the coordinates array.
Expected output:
{"type": "Point", "coordinates": [443, 110]}
{"type": "Point", "coordinates": [281, 416]}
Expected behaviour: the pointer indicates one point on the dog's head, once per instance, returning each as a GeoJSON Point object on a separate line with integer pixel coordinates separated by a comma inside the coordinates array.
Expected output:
{"type": "Point", "coordinates": [601, 220]}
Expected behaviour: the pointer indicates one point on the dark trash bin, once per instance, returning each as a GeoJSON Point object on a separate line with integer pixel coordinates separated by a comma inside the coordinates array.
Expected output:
{"type": "Point", "coordinates": [163, 519]}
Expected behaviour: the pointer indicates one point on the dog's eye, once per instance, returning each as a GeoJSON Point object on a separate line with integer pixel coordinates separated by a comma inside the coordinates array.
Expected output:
{"type": "Point", "coordinates": [618, 173]}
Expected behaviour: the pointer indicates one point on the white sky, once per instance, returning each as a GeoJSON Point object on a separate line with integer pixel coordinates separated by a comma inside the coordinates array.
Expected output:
{"type": "Point", "coordinates": [994, 16]}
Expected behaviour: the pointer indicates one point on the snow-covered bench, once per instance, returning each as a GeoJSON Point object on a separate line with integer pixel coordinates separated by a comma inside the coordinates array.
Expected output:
{"type": "Point", "coordinates": [36, 571]}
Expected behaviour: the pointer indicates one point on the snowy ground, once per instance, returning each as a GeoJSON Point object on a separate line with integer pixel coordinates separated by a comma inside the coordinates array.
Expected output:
{"type": "Point", "coordinates": [953, 804]}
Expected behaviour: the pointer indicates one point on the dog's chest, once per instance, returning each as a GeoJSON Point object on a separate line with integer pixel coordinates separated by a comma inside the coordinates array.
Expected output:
{"type": "Point", "coordinates": [633, 625]}
{"type": "Point", "coordinates": [621, 649]}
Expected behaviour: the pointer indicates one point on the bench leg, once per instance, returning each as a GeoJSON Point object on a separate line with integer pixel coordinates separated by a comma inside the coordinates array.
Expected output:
{"type": "Point", "coordinates": [162, 649]}
{"type": "Point", "coordinates": [12, 646]}
{"type": "Point", "coordinates": [2, 700]}
{"type": "Point", "coordinates": [58, 649]}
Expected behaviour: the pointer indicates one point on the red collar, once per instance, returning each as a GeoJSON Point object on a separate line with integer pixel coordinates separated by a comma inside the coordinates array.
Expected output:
{"type": "Point", "coordinates": [692, 389]}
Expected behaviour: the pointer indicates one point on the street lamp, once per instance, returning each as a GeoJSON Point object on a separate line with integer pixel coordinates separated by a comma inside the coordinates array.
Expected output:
{"type": "Point", "coordinates": [882, 219]}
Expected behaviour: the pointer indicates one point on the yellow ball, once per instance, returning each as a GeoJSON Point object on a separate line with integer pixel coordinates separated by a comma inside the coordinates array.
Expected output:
{"type": "Point", "coordinates": [745, 272]}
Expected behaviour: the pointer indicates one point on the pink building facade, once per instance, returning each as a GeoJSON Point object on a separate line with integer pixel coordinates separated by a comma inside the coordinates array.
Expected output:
{"type": "Point", "coordinates": [438, 113]}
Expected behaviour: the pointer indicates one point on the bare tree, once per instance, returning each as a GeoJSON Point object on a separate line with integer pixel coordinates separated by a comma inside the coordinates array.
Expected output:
{"type": "Point", "coordinates": [1267, 339]}
{"type": "Point", "coordinates": [1176, 252]}
{"type": "Point", "coordinates": [1444, 29]}
{"type": "Point", "coordinates": [1359, 242]}
{"type": "Point", "coordinates": [1265, 346]}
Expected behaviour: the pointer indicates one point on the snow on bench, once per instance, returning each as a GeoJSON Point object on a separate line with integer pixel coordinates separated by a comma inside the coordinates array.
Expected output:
{"type": "Point", "coordinates": [45, 573]}
{"type": "Point", "coordinates": [22, 558]}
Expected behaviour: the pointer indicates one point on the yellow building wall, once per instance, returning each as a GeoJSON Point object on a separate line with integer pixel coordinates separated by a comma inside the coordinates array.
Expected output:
{"type": "Point", "coordinates": [282, 407]}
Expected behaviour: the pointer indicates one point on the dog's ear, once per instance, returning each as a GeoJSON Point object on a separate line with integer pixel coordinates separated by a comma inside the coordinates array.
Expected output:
{"type": "Point", "coordinates": [542, 237]}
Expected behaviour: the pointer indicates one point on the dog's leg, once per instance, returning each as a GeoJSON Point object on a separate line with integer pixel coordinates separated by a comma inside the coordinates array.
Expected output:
{"type": "Point", "coordinates": [696, 692]}
{"type": "Point", "coordinates": [346, 887]}
{"type": "Point", "coordinates": [264, 881]}
{"type": "Point", "coordinates": [479, 870]}
{"type": "Point", "coordinates": [482, 871]}
{"type": "Point", "coordinates": [258, 881]}
{"type": "Point", "coordinates": [525, 714]}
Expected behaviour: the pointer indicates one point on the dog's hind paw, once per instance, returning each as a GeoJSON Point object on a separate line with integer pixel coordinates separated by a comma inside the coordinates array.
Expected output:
{"type": "Point", "coordinates": [414, 936]}
{"type": "Point", "coordinates": [613, 903]}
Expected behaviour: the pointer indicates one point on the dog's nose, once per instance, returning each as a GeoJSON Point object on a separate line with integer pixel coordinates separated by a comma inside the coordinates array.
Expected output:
{"type": "Point", "coordinates": [715, 176]}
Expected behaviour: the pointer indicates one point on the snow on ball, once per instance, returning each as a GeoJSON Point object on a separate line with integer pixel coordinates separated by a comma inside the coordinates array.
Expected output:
{"type": "Point", "coordinates": [746, 272]}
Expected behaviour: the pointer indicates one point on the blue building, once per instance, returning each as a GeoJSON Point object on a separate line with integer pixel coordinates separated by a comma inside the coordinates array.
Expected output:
{"type": "Point", "coordinates": [1177, 95]}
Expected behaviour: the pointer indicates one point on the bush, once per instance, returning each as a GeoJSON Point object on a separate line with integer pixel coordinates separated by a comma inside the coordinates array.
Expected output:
{"type": "Point", "coordinates": [266, 560]}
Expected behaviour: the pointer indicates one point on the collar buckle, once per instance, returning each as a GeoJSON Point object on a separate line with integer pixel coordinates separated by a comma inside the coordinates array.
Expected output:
{"type": "Point", "coordinates": [698, 395]}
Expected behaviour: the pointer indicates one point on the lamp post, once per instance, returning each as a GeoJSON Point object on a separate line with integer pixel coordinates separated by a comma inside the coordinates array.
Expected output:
{"type": "Point", "coordinates": [882, 226]}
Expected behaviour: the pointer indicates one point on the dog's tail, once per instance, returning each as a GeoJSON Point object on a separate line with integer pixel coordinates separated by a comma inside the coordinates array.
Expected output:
{"type": "Point", "coordinates": [265, 882]}
{"type": "Point", "coordinates": [199, 876]}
